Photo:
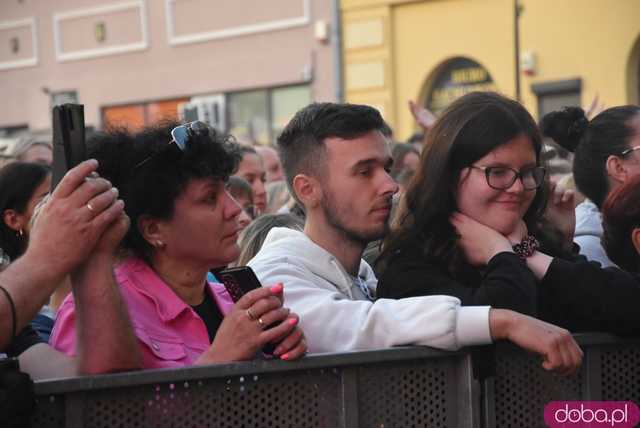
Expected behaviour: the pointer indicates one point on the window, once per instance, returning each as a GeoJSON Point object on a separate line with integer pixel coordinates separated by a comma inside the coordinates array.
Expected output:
{"type": "Point", "coordinates": [556, 95]}
{"type": "Point", "coordinates": [259, 116]}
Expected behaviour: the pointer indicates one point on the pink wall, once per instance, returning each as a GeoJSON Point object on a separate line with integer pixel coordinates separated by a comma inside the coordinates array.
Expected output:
{"type": "Point", "coordinates": [161, 71]}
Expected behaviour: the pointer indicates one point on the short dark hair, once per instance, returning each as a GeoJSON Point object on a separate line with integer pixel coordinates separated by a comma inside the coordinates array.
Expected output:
{"type": "Point", "coordinates": [620, 216]}
{"type": "Point", "coordinates": [151, 188]}
{"type": "Point", "coordinates": [18, 181]}
{"type": "Point", "coordinates": [592, 142]}
{"type": "Point", "coordinates": [301, 143]}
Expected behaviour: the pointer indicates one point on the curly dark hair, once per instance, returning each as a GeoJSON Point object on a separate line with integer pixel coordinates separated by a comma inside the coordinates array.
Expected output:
{"type": "Point", "coordinates": [620, 216]}
{"type": "Point", "coordinates": [592, 142]}
{"type": "Point", "coordinates": [469, 129]}
{"type": "Point", "coordinates": [151, 173]}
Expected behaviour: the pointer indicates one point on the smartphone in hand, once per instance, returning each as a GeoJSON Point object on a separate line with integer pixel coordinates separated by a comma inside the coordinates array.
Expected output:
{"type": "Point", "coordinates": [69, 147]}
{"type": "Point", "coordinates": [239, 281]}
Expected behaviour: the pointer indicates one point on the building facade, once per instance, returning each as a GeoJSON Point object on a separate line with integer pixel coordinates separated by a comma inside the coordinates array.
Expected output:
{"type": "Point", "coordinates": [245, 65]}
{"type": "Point", "coordinates": [433, 51]}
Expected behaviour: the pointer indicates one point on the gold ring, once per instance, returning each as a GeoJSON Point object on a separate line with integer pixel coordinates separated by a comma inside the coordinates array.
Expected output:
{"type": "Point", "coordinates": [90, 207]}
{"type": "Point", "coordinates": [261, 323]}
{"type": "Point", "coordinates": [251, 315]}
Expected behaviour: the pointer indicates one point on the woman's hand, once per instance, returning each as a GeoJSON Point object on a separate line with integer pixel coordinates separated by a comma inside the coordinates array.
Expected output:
{"type": "Point", "coordinates": [479, 242]}
{"type": "Point", "coordinates": [241, 334]}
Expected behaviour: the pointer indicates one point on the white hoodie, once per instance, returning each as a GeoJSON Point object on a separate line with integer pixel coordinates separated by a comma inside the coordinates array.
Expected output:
{"type": "Point", "coordinates": [589, 232]}
{"type": "Point", "coordinates": [336, 316]}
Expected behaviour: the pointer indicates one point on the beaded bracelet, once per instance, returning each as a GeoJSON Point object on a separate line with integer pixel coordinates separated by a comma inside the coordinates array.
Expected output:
{"type": "Point", "coordinates": [527, 247]}
{"type": "Point", "coordinates": [13, 312]}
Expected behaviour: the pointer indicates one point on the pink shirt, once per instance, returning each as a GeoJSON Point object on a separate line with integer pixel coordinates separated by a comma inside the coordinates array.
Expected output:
{"type": "Point", "coordinates": [169, 331]}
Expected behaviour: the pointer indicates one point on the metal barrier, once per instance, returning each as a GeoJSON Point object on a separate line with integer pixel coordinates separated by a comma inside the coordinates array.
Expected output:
{"type": "Point", "coordinates": [400, 387]}
{"type": "Point", "coordinates": [393, 387]}
{"type": "Point", "coordinates": [517, 394]}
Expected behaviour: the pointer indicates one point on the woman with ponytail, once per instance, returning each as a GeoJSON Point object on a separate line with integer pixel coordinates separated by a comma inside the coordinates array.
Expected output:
{"type": "Point", "coordinates": [607, 154]}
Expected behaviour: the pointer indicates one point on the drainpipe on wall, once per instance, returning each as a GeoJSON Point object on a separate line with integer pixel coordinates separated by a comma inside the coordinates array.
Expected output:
{"type": "Point", "coordinates": [517, 9]}
{"type": "Point", "coordinates": [336, 41]}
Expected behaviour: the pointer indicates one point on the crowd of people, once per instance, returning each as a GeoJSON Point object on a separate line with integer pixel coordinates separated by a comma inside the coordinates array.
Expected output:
{"type": "Point", "coordinates": [467, 240]}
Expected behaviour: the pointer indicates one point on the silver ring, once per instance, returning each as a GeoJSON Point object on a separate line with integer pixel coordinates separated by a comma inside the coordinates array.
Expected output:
{"type": "Point", "coordinates": [251, 315]}
{"type": "Point", "coordinates": [90, 207]}
{"type": "Point", "coordinates": [261, 323]}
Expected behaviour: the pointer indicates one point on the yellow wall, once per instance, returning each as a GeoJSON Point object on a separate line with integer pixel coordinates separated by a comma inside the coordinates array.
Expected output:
{"type": "Point", "coordinates": [588, 39]}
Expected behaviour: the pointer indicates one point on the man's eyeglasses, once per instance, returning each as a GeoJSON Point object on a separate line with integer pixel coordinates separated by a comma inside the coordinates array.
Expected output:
{"type": "Point", "coordinates": [632, 149]}
{"type": "Point", "coordinates": [179, 136]}
{"type": "Point", "coordinates": [502, 177]}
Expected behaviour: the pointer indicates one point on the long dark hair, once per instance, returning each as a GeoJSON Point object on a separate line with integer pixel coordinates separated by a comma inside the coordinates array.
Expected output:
{"type": "Point", "coordinates": [592, 142]}
{"type": "Point", "coordinates": [470, 128]}
{"type": "Point", "coordinates": [18, 181]}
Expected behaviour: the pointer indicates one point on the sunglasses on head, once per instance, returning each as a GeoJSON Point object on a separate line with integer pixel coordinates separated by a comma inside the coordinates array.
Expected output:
{"type": "Point", "coordinates": [179, 137]}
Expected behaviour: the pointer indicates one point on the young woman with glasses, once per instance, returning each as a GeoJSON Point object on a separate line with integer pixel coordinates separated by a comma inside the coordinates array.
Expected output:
{"type": "Point", "coordinates": [468, 224]}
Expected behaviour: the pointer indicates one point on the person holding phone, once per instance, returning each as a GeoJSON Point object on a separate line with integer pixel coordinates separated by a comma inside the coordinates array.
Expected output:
{"type": "Point", "coordinates": [69, 239]}
{"type": "Point", "coordinates": [184, 223]}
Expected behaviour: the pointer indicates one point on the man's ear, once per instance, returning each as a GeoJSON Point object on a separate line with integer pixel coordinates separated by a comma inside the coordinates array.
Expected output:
{"type": "Point", "coordinates": [308, 190]}
{"type": "Point", "coordinates": [616, 169]}
{"type": "Point", "coordinates": [635, 238]}
{"type": "Point", "coordinates": [151, 230]}
{"type": "Point", "coordinates": [13, 220]}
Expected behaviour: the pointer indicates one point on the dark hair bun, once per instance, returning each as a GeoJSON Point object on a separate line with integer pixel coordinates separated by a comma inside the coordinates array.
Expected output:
{"type": "Point", "coordinates": [565, 126]}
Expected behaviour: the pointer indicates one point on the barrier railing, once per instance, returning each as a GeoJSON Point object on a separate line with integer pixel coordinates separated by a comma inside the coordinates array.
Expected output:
{"type": "Point", "coordinates": [400, 387]}
{"type": "Point", "coordinates": [520, 388]}
{"type": "Point", "coordinates": [403, 386]}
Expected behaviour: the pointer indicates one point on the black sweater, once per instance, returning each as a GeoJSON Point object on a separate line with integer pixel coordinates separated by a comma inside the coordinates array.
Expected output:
{"type": "Point", "coordinates": [575, 294]}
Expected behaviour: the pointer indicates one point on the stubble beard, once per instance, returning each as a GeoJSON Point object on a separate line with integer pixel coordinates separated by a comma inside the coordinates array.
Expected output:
{"type": "Point", "coordinates": [334, 218]}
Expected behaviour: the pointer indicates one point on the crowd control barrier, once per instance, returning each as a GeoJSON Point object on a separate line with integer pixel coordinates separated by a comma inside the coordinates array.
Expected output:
{"type": "Point", "coordinates": [399, 387]}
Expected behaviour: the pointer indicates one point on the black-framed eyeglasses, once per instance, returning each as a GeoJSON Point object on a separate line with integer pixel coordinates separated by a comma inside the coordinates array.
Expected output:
{"type": "Point", "coordinates": [179, 136]}
{"type": "Point", "coordinates": [503, 177]}
{"type": "Point", "coordinates": [632, 149]}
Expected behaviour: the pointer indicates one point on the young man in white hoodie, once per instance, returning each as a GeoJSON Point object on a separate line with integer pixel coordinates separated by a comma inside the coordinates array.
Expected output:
{"type": "Point", "coordinates": [337, 160]}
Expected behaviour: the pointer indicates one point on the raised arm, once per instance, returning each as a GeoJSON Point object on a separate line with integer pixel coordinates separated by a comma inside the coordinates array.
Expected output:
{"type": "Point", "coordinates": [60, 241]}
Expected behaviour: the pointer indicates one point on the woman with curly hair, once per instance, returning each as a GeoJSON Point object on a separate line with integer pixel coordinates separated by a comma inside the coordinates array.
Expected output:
{"type": "Point", "coordinates": [183, 223]}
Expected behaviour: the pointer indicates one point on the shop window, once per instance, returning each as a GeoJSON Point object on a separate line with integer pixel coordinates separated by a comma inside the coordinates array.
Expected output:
{"type": "Point", "coordinates": [556, 95]}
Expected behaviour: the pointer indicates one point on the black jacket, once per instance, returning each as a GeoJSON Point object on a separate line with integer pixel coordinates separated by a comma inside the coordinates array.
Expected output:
{"type": "Point", "coordinates": [575, 294]}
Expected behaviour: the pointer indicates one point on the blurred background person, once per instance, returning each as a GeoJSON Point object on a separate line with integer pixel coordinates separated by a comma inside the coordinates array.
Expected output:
{"type": "Point", "coordinates": [621, 224]}
{"type": "Point", "coordinates": [22, 186]}
{"type": "Point", "coordinates": [606, 154]}
{"type": "Point", "coordinates": [251, 169]}
{"type": "Point", "coordinates": [405, 157]}
{"type": "Point", "coordinates": [30, 149]}
{"type": "Point", "coordinates": [271, 161]}
{"type": "Point", "coordinates": [278, 196]}
{"type": "Point", "coordinates": [241, 191]}
{"type": "Point", "coordinates": [252, 238]}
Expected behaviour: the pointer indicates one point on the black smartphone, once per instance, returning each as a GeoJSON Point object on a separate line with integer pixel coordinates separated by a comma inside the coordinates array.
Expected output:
{"type": "Point", "coordinates": [239, 281]}
{"type": "Point", "coordinates": [69, 147]}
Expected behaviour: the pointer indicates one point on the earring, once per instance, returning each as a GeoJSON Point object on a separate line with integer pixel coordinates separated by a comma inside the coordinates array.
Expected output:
{"type": "Point", "coordinates": [20, 233]}
{"type": "Point", "coordinates": [159, 244]}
